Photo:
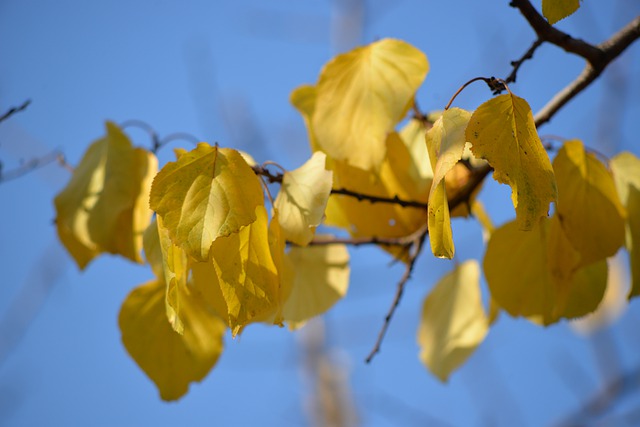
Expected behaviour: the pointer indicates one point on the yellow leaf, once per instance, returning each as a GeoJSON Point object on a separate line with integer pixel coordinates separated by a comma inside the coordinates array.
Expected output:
{"type": "Point", "coordinates": [626, 171]}
{"type": "Point", "coordinates": [152, 249]}
{"type": "Point", "coordinates": [175, 272]}
{"type": "Point", "coordinates": [277, 243]}
{"type": "Point", "coordinates": [413, 134]}
{"type": "Point", "coordinates": [445, 142]}
{"type": "Point", "coordinates": [401, 175]}
{"type": "Point", "coordinates": [524, 280]}
{"type": "Point", "coordinates": [304, 99]}
{"type": "Point", "coordinates": [207, 193]}
{"type": "Point", "coordinates": [246, 271]}
{"type": "Point", "coordinates": [320, 279]}
{"type": "Point", "coordinates": [204, 280]}
{"type": "Point", "coordinates": [453, 322]}
{"type": "Point", "coordinates": [383, 219]}
{"type": "Point", "coordinates": [303, 198]}
{"type": "Point", "coordinates": [555, 10]}
{"type": "Point", "coordinates": [588, 205]}
{"type": "Point", "coordinates": [104, 208]}
{"type": "Point", "coordinates": [614, 302]}
{"type": "Point", "coordinates": [361, 96]}
{"type": "Point", "coordinates": [502, 132]}
{"type": "Point", "coordinates": [170, 360]}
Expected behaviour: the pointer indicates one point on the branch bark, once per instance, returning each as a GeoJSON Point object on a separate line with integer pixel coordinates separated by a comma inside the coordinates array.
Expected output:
{"type": "Point", "coordinates": [597, 57]}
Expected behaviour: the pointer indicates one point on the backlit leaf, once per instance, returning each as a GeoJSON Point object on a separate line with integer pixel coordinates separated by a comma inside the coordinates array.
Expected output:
{"type": "Point", "coordinates": [525, 280]}
{"type": "Point", "coordinates": [246, 271]}
{"type": "Point", "coordinates": [303, 198]}
{"type": "Point", "coordinates": [626, 171]}
{"type": "Point", "coordinates": [412, 134]}
{"type": "Point", "coordinates": [172, 361]}
{"type": "Point", "coordinates": [555, 10]}
{"type": "Point", "coordinates": [320, 279]}
{"type": "Point", "coordinates": [445, 142]}
{"type": "Point", "coordinates": [395, 179]}
{"type": "Point", "coordinates": [588, 205]}
{"type": "Point", "coordinates": [104, 208]}
{"type": "Point", "coordinates": [361, 96]}
{"type": "Point", "coordinates": [453, 321]}
{"type": "Point", "coordinates": [175, 272]}
{"type": "Point", "coordinates": [614, 302]}
{"type": "Point", "coordinates": [207, 193]}
{"type": "Point", "coordinates": [502, 132]}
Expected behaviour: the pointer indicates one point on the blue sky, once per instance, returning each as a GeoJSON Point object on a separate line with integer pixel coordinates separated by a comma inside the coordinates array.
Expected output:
{"type": "Point", "coordinates": [224, 72]}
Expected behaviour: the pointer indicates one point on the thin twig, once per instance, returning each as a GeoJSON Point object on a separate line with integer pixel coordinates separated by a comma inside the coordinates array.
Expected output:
{"type": "Point", "coordinates": [597, 57]}
{"type": "Point", "coordinates": [610, 49]}
{"type": "Point", "coordinates": [395, 200]}
{"type": "Point", "coordinates": [14, 110]}
{"type": "Point", "coordinates": [496, 86]}
{"type": "Point", "coordinates": [551, 34]}
{"type": "Point", "coordinates": [413, 256]}
{"type": "Point", "coordinates": [32, 165]}
{"type": "Point", "coordinates": [511, 78]}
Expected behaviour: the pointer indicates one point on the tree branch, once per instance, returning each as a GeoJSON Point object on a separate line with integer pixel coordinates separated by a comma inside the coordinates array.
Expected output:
{"type": "Point", "coordinates": [610, 50]}
{"type": "Point", "coordinates": [511, 78]}
{"type": "Point", "coordinates": [413, 256]}
{"type": "Point", "coordinates": [395, 200]}
{"type": "Point", "coordinates": [33, 164]}
{"type": "Point", "coordinates": [14, 110]}
{"type": "Point", "coordinates": [549, 33]}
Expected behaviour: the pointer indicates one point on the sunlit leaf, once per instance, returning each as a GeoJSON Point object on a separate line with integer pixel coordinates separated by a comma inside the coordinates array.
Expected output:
{"type": "Point", "coordinates": [614, 302]}
{"type": "Point", "coordinates": [525, 280]}
{"type": "Point", "coordinates": [320, 279]}
{"type": "Point", "coordinates": [302, 199]}
{"type": "Point", "coordinates": [246, 271]}
{"type": "Point", "coordinates": [588, 205]}
{"type": "Point", "coordinates": [277, 244]}
{"type": "Point", "coordinates": [555, 10]}
{"type": "Point", "coordinates": [412, 134]}
{"type": "Point", "coordinates": [401, 175]}
{"type": "Point", "coordinates": [172, 361]}
{"type": "Point", "coordinates": [453, 321]}
{"type": "Point", "coordinates": [502, 132]}
{"type": "Point", "coordinates": [394, 180]}
{"type": "Point", "coordinates": [175, 272]}
{"type": "Point", "coordinates": [207, 193]}
{"type": "Point", "coordinates": [445, 142]}
{"type": "Point", "coordinates": [304, 99]}
{"type": "Point", "coordinates": [626, 171]}
{"type": "Point", "coordinates": [104, 208]}
{"type": "Point", "coordinates": [361, 96]}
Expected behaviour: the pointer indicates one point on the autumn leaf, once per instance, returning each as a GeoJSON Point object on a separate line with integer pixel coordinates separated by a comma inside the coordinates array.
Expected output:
{"type": "Point", "coordinates": [502, 132]}
{"type": "Point", "coordinates": [172, 361]}
{"type": "Point", "coordinates": [205, 194]}
{"type": "Point", "coordinates": [626, 172]}
{"type": "Point", "coordinates": [394, 180]}
{"type": "Point", "coordinates": [175, 265]}
{"type": "Point", "coordinates": [247, 274]}
{"type": "Point", "coordinates": [320, 279]}
{"type": "Point", "coordinates": [302, 199]}
{"type": "Point", "coordinates": [588, 204]}
{"type": "Point", "coordinates": [361, 96]}
{"type": "Point", "coordinates": [405, 173]}
{"type": "Point", "coordinates": [541, 292]}
{"type": "Point", "coordinates": [555, 10]}
{"type": "Point", "coordinates": [412, 135]}
{"type": "Point", "coordinates": [453, 321]}
{"type": "Point", "coordinates": [103, 208]}
{"type": "Point", "coordinates": [445, 143]}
